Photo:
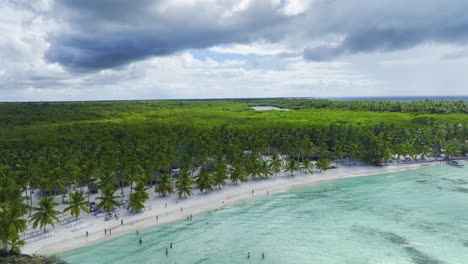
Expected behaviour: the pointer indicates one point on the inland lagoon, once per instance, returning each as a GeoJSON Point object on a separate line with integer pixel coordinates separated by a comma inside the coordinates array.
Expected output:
{"type": "Point", "coordinates": [418, 216]}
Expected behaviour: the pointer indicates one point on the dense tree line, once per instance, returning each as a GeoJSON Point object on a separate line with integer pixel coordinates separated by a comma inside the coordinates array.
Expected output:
{"type": "Point", "coordinates": [427, 106]}
{"type": "Point", "coordinates": [106, 159]}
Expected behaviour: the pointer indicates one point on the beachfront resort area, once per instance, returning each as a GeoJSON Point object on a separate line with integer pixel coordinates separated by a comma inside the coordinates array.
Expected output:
{"type": "Point", "coordinates": [127, 171]}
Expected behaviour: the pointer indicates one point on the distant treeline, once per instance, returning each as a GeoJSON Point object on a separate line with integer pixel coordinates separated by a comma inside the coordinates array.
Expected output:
{"type": "Point", "coordinates": [427, 106]}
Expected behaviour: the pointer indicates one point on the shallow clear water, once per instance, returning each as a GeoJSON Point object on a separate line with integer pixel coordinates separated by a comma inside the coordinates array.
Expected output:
{"type": "Point", "coordinates": [418, 216]}
{"type": "Point", "coordinates": [266, 108]}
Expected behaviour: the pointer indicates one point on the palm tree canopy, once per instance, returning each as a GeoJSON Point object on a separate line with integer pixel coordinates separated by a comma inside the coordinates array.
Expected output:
{"type": "Point", "coordinates": [184, 183]}
{"type": "Point", "coordinates": [108, 199]}
{"type": "Point", "coordinates": [45, 213]}
{"type": "Point", "coordinates": [76, 203]}
{"type": "Point", "coordinates": [164, 186]}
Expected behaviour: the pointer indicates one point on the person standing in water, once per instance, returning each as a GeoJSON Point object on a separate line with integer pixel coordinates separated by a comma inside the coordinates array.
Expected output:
{"type": "Point", "coordinates": [263, 255]}
{"type": "Point", "coordinates": [140, 241]}
{"type": "Point", "coordinates": [248, 255]}
{"type": "Point", "coordinates": [170, 245]}
{"type": "Point", "coordinates": [167, 252]}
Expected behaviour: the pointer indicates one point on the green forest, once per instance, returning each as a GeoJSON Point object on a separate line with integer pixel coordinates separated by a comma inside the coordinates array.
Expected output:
{"type": "Point", "coordinates": [70, 147]}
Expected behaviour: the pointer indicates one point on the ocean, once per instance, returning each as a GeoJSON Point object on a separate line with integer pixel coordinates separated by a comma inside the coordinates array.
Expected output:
{"type": "Point", "coordinates": [417, 217]}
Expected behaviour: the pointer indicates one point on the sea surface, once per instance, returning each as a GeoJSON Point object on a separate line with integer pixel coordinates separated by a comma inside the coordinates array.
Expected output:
{"type": "Point", "coordinates": [418, 217]}
{"type": "Point", "coordinates": [267, 107]}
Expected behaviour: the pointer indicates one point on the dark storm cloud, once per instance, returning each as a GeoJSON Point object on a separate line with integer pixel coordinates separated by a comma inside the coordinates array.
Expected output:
{"type": "Point", "coordinates": [107, 34]}
{"type": "Point", "coordinates": [111, 33]}
{"type": "Point", "coordinates": [388, 39]}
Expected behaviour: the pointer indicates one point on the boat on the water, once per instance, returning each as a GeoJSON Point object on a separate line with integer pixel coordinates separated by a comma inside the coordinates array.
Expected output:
{"type": "Point", "coordinates": [455, 163]}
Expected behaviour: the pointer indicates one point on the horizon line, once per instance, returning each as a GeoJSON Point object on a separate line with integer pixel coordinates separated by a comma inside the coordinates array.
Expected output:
{"type": "Point", "coordinates": [332, 98]}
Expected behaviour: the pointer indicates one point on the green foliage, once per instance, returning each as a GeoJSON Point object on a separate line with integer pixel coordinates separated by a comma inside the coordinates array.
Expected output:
{"type": "Point", "coordinates": [56, 147]}
{"type": "Point", "coordinates": [204, 180]}
{"type": "Point", "coordinates": [108, 199]}
{"type": "Point", "coordinates": [12, 210]}
{"type": "Point", "coordinates": [184, 183]}
{"type": "Point", "coordinates": [323, 164]}
{"type": "Point", "coordinates": [76, 203]}
{"type": "Point", "coordinates": [45, 213]}
{"type": "Point", "coordinates": [307, 166]}
{"type": "Point", "coordinates": [220, 173]}
{"type": "Point", "coordinates": [164, 185]}
{"type": "Point", "coordinates": [138, 198]}
{"type": "Point", "coordinates": [292, 166]}
{"type": "Point", "coordinates": [237, 173]}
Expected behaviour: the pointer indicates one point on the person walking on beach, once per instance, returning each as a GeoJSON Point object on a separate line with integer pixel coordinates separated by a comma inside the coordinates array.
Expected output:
{"type": "Point", "coordinates": [121, 221]}
{"type": "Point", "coordinates": [165, 205]}
{"type": "Point", "coordinates": [268, 193]}
{"type": "Point", "coordinates": [86, 233]}
{"type": "Point", "coordinates": [110, 231]}
{"type": "Point", "coordinates": [253, 191]}
{"type": "Point", "coordinates": [138, 232]}
{"type": "Point", "coordinates": [105, 231]}
{"type": "Point", "coordinates": [157, 218]}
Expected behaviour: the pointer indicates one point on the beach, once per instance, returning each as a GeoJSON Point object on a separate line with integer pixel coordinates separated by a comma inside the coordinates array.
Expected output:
{"type": "Point", "coordinates": [65, 239]}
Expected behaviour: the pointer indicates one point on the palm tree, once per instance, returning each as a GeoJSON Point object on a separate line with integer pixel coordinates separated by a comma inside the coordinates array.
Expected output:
{"type": "Point", "coordinates": [135, 174]}
{"type": "Point", "coordinates": [451, 150]}
{"type": "Point", "coordinates": [108, 199]}
{"type": "Point", "coordinates": [275, 164]}
{"type": "Point", "coordinates": [353, 151]}
{"type": "Point", "coordinates": [45, 213]}
{"type": "Point", "coordinates": [308, 166]}
{"type": "Point", "coordinates": [256, 169]}
{"type": "Point", "coordinates": [323, 164]}
{"type": "Point", "coordinates": [265, 169]}
{"type": "Point", "coordinates": [184, 183]}
{"type": "Point", "coordinates": [76, 203]}
{"type": "Point", "coordinates": [220, 174]}
{"type": "Point", "coordinates": [426, 152]}
{"type": "Point", "coordinates": [138, 198]}
{"type": "Point", "coordinates": [292, 166]}
{"type": "Point", "coordinates": [204, 181]}
{"type": "Point", "coordinates": [237, 173]}
{"type": "Point", "coordinates": [164, 186]}
{"type": "Point", "coordinates": [12, 223]}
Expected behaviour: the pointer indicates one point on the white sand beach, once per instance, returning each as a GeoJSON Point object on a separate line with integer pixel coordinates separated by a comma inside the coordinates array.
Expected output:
{"type": "Point", "coordinates": [65, 239]}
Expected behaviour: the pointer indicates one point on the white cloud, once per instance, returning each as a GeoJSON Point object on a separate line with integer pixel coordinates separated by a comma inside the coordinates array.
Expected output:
{"type": "Point", "coordinates": [253, 49]}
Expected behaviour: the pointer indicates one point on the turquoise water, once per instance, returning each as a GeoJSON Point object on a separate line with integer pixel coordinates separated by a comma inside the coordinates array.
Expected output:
{"type": "Point", "coordinates": [418, 216]}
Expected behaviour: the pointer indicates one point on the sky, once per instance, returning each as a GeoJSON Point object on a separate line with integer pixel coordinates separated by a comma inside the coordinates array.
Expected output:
{"type": "Point", "coordinates": [61, 50]}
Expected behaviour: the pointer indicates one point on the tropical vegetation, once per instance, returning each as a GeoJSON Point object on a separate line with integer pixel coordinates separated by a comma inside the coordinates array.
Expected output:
{"type": "Point", "coordinates": [68, 148]}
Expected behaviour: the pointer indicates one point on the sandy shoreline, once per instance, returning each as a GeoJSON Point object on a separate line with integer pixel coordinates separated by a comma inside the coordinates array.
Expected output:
{"type": "Point", "coordinates": [65, 239]}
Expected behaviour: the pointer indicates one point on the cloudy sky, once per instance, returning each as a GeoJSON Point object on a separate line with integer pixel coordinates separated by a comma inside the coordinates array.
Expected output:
{"type": "Point", "coordinates": [161, 49]}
